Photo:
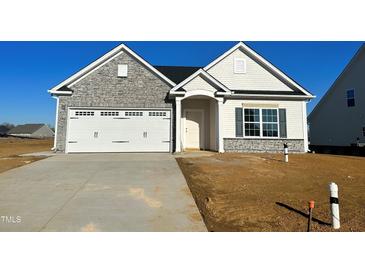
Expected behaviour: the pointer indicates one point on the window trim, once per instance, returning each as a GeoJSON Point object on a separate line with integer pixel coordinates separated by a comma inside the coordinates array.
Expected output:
{"type": "Point", "coordinates": [261, 123]}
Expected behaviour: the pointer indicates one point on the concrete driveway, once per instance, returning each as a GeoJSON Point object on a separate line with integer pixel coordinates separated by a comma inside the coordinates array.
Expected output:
{"type": "Point", "coordinates": [98, 192]}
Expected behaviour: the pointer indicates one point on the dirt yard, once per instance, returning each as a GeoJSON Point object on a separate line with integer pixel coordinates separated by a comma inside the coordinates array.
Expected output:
{"type": "Point", "coordinates": [260, 192]}
{"type": "Point", "coordinates": [10, 148]}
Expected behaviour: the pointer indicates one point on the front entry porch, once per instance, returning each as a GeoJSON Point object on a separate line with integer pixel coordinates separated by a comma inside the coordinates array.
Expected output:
{"type": "Point", "coordinates": [198, 123]}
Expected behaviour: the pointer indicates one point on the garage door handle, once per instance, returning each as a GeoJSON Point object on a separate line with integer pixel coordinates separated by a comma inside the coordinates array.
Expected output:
{"type": "Point", "coordinates": [72, 142]}
{"type": "Point", "coordinates": [120, 141]}
{"type": "Point", "coordinates": [74, 117]}
{"type": "Point", "coordinates": [121, 118]}
{"type": "Point", "coordinates": [165, 141]}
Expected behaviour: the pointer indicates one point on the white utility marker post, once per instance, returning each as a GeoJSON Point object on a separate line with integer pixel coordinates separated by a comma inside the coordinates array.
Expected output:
{"type": "Point", "coordinates": [286, 153]}
{"type": "Point", "coordinates": [335, 210]}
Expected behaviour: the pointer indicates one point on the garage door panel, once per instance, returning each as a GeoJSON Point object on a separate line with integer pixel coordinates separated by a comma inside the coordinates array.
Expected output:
{"type": "Point", "coordinates": [118, 131]}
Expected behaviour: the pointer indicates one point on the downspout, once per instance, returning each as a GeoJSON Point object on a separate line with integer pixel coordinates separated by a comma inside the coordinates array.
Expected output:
{"type": "Point", "coordinates": [305, 125]}
{"type": "Point", "coordinates": [54, 148]}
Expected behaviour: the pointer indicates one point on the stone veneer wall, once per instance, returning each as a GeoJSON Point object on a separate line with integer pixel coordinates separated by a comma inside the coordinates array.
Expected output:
{"type": "Point", "coordinates": [102, 88]}
{"type": "Point", "coordinates": [262, 145]}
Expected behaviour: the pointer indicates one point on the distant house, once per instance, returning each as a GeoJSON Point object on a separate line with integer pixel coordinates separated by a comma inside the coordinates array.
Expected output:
{"type": "Point", "coordinates": [32, 131]}
{"type": "Point", "coordinates": [4, 130]}
{"type": "Point", "coordinates": [338, 120]}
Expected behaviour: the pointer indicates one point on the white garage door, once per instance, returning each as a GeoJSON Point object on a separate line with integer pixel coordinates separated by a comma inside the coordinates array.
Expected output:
{"type": "Point", "coordinates": [137, 130]}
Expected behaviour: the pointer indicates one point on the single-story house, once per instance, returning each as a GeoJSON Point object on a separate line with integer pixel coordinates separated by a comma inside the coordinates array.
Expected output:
{"type": "Point", "coordinates": [338, 120]}
{"type": "Point", "coordinates": [37, 131]}
{"type": "Point", "coordinates": [239, 102]}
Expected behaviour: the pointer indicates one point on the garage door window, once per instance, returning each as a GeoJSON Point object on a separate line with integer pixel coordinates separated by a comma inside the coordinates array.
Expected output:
{"type": "Point", "coordinates": [109, 113]}
{"type": "Point", "coordinates": [133, 113]}
{"type": "Point", "coordinates": [157, 113]}
{"type": "Point", "coordinates": [84, 113]}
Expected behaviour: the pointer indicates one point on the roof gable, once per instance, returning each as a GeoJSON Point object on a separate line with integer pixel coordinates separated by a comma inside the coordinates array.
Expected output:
{"type": "Point", "coordinates": [256, 77]}
{"type": "Point", "coordinates": [261, 61]}
{"type": "Point", "coordinates": [63, 87]}
{"type": "Point", "coordinates": [203, 75]}
{"type": "Point", "coordinates": [360, 53]}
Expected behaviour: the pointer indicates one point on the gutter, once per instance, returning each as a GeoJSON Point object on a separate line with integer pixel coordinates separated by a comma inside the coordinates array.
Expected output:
{"type": "Point", "coordinates": [60, 92]}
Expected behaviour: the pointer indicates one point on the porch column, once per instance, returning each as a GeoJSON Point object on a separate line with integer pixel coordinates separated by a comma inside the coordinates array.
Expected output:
{"type": "Point", "coordinates": [220, 125]}
{"type": "Point", "coordinates": [178, 125]}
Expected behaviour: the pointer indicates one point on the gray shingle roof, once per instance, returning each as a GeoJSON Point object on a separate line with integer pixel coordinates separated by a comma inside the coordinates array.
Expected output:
{"type": "Point", "coordinates": [25, 129]}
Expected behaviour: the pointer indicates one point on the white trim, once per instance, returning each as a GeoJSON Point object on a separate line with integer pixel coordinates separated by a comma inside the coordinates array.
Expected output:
{"type": "Point", "coordinates": [220, 126]}
{"type": "Point", "coordinates": [199, 93]}
{"type": "Point", "coordinates": [264, 95]}
{"type": "Point", "coordinates": [202, 130]}
{"type": "Point", "coordinates": [120, 108]}
{"type": "Point", "coordinates": [198, 72]}
{"type": "Point", "coordinates": [60, 92]}
{"type": "Point", "coordinates": [178, 125]}
{"type": "Point", "coordinates": [261, 122]}
{"type": "Point", "coordinates": [305, 126]}
{"type": "Point", "coordinates": [95, 68]}
{"type": "Point", "coordinates": [260, 59]}
{"type": "Point", "coordinates": [67, 131]}
{"type": "Point", "coordinates": [104, 59]}
{"type": "Point", "coordinates": [56, 124]}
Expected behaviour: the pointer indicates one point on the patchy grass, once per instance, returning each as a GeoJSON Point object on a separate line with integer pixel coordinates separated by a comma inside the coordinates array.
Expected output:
{"type": "Point", "coordinates": [11, 148]}
{"type": "Point", "coordinates": [259, 192]}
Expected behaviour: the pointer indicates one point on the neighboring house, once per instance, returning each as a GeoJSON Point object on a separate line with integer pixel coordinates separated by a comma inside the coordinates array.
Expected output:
{"type": "Point", "coordinates": [238, 102]}
{"type": "Point", "coordinates": [3, 130]}
{"type": "Point", "coordinates": [338, 120]}
{"type": "Point", "coordinates": [32, 131]}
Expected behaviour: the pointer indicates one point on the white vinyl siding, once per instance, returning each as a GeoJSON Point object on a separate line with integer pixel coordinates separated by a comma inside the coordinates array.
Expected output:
{"type": "Point", "coordinates": [198, 83]}
{"type": "Point", "coordinates": [255, 78]}
{"type": "Point", "coordinates": [294, 115]}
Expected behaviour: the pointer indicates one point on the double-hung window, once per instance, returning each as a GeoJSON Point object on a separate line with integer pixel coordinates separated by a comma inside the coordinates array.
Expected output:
{"type": "Point", "coordinates": [270, 123]}
{"type": "Point", "coordinates": [261, 122]}
{"type": "Point", "coordinates": [252, 122]}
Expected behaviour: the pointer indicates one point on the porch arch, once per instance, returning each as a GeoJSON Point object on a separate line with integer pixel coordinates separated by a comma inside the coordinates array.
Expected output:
{"type": "Point", "coordinates": [215, 112]}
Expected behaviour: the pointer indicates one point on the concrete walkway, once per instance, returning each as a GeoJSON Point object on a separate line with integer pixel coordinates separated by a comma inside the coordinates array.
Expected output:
{"type": "Point", "coordinates": [98, 192]}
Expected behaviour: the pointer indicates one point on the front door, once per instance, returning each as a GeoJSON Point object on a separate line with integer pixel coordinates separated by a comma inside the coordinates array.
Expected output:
{"type": "Point", "coordinates": [194, 129]}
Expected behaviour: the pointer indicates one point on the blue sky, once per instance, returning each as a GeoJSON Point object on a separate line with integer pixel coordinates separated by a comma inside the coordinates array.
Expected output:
{"type": "Point", "coordinates": [29, 69]}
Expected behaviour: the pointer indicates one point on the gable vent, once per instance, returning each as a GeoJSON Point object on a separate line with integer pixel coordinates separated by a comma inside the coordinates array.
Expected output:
{"type": "Point", "coordinates": [122, 70]}
{"type": "Point", "coordinates": [239, 65]}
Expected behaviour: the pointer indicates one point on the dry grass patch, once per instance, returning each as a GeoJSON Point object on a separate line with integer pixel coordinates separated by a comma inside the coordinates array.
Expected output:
{"type": "Point", "coordinates": [11, 148]}
{"type": "Point", "coordinates": [259, 192]}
